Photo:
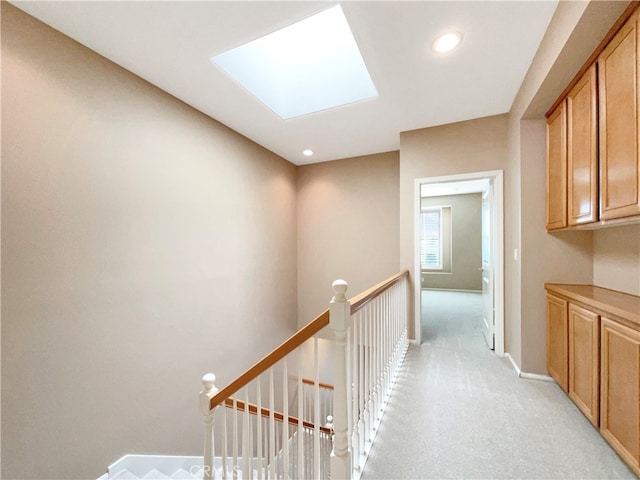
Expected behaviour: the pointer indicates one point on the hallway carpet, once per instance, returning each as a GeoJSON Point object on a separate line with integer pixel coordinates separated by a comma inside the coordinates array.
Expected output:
{"type": "Point", "coordinates": [458, 411]}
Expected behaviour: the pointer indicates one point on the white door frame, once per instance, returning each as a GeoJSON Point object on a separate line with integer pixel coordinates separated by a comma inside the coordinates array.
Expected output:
{"type": "Point", "coordinates": [498, 238]}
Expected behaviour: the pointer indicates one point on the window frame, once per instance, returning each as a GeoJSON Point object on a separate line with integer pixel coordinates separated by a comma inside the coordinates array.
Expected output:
{"type": "Point", "coordinates": [424, 251]}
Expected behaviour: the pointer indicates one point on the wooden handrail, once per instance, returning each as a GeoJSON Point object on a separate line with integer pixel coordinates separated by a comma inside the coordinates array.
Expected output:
{"type": "Point", "coordinates": [265, 412]}
{"type": "Point", "coordinates": [365, 297]}
{"type": "Point", "coordinates": [326, 386]}
{"type": "Point", "coordinates": [293, 342]}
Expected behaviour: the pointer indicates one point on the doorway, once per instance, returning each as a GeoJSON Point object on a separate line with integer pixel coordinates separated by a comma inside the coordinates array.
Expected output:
{"type": "Point", "coordinates": [491, 265]}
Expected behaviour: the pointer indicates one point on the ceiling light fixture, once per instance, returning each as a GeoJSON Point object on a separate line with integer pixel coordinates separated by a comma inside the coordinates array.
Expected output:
{"type": "Point", "coordinates": [447, 42]}
{"type": "Point", "coordinates": [308, 152]}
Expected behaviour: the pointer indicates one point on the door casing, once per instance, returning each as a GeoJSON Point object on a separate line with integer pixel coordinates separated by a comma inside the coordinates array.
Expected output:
{"type": "Point", "coordinates": [497, 210]}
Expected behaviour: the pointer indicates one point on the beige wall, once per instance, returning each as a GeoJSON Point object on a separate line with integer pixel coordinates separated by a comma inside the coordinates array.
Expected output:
{"type": "Point", "coordinates": [560, 257]}
{"type": "Point", "coordinates": [512, 254]}
{"type": "Point", "coordinates": [616, 261]}
{"type": "Point", "coordinates": [143, 245]}
{"type": "Point", "coordinates": [465, 147]}
{"type": "Point", "coordinates": [575, 30]}
{"type": "Point", "coordinates": [347, 227]}
{"type": "Point", "coordinates": [466, 243]}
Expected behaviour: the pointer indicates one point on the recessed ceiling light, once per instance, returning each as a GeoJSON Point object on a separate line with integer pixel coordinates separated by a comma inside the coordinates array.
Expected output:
{"type": "Point", "coordinates": [306, 67]}
{"type": "Point", "coordinates": [446, 42]}
{"type": "Point", "coordinates": [308, 152]}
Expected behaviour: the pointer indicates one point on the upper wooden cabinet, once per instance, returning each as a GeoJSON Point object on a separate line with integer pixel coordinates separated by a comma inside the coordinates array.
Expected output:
{"type": "Point", "coordinates": [557, 168]}
{"type": "Point", "coordinates": [593, 137]}
{"type": "Point", "coordinates": [572, 157]}
{"type": "Point", "coordinates": [618, 124]}
{"type": "Point", "coordinates": [582, 151]}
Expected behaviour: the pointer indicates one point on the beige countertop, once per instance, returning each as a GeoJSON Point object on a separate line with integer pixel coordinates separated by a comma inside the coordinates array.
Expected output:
{"type": "Point", "coordinates": [605, 302]}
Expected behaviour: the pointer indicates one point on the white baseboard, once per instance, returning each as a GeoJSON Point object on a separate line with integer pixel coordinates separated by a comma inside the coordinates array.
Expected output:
{"type": "Point", "coordinates": [528, 376]}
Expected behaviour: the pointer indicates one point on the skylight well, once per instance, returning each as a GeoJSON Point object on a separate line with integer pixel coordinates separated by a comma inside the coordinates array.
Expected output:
{"type": "Point", "coordinates": [304, 68]}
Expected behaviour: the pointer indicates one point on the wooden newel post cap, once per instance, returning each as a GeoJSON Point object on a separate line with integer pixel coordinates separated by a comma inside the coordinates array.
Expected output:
{"type": "Point", "coordinates": [339, 288]}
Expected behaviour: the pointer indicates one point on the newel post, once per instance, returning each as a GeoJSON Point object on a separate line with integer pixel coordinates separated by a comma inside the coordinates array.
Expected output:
{"type": "Point", "coordinates": [208, 392]}
{"type": "Point", "coordinates": [340, 318]}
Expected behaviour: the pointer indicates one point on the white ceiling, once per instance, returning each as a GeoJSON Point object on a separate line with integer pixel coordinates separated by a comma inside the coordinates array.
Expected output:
{"type": "Point", "coordinates": [170, 43]}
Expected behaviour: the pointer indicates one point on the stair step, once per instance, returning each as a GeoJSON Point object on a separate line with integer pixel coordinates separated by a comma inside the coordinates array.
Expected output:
{"type": "Point", "coordinates": [155, 475]}
{"type": "Point", "coordinates": [183, 474]}
{"type": "Point", "coordinates": [124, 475]}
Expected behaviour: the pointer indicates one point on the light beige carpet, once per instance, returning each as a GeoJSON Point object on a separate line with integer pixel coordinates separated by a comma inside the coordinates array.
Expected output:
{"type": "Point", "coordinates": [458, 411]}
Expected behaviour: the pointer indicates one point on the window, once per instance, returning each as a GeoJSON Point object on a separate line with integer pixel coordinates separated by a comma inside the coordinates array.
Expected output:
{"type": "Point", "coordinates": [431, 239]}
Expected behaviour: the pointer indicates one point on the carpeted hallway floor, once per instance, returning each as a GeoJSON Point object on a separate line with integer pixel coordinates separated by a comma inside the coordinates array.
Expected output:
{"type": "Point", "coordinates": [458, 411]}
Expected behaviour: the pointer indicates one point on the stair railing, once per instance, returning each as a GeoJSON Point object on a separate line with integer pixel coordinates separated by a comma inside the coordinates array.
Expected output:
{"type": "Point", "coordinates": [371, 339]}
{"type": "Point", "coordinates": [270, 422]}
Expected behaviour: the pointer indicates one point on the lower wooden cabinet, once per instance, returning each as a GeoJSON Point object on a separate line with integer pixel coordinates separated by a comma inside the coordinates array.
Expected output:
{"type": "Point", "coordinates": [584, 361]}
{"type": "Point", "coordinates": [593, 353]}
{"type": "Point", "coordinates": [557, 341]}
{"type": "Point", "coordinates": [620, 381]}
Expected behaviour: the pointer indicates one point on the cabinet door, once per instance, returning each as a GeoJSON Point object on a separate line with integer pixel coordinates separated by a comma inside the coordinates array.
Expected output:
{"type": "Point", "coordinates": [584, 361]}
{"type": "Point", "coordinates": [620, 390]}
{"type": "Point", "coordinates": [618, 98]}
{"type": "Point", "coordinates": [557, 343]}
{"type": "Point", "coordinates": [582, 151]}
{"type": "Point", "coordinates": [557, 168]}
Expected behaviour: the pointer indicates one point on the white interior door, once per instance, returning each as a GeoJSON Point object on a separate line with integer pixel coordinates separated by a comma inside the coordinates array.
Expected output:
{"type": "Point", "coordinates": [488, 309]}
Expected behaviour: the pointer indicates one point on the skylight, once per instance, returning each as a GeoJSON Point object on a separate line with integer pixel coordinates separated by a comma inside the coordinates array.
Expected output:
{"type": "Point", "coordinates": [306, 67]}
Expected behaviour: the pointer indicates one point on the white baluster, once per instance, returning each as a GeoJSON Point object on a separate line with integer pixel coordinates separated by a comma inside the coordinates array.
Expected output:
{"type": "Point", "coordinates": [246, 446]}
{"type": "Point", "coordinates": [361, 386]}
{"type": "Point", "coordinates": [235, 438]}
{"type": "Point", "coordinates": [285, 423]}
{"type": "Point", "coordinates": [259, 430]}
{"type": "Point", "coordinates": [301, 392]}
{"type": "Point", "coordinates": [349, 367]}
{"type": "Point", "coordinates": [355, 388]}
{"type": "Point", "coordinates": [375, 316]}
{"type": "Point", "coordinates": [340, 318]}
{"type": "Point", "coordinates": [316, 409]}
{"type": "Point", "coordinates": [384, 361]}
{"type": "Point", "coordinates": [225, 453]}
{"type": "Point", "coordinates": [370, 377]}
{"type": "Point", "coordinates": [209, 390]}
{"type": "Point", "coordinates": [384, 317]}
{"type": "Point", "coordinates": [272, 426]}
